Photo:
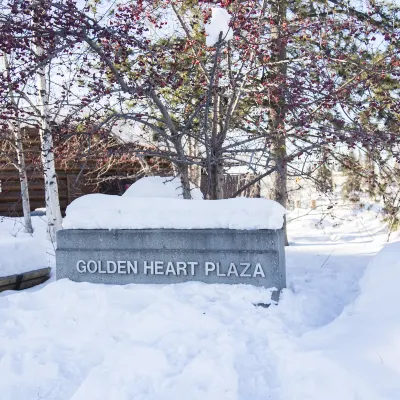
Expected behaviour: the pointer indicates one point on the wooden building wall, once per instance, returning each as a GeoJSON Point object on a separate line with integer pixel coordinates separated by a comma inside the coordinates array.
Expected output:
{"type": "Point", "coordinates": [74, 182]}
{"type": "Point", "coordinates": [74, 177]}
{"type": "Point", "coordinates": [10, 192]}
{"type": "Point", "coordinates": [69, 190]}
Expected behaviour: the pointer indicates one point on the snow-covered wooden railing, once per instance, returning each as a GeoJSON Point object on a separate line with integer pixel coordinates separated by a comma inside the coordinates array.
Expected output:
{"type": "Point", "coordinates": [25, 280]}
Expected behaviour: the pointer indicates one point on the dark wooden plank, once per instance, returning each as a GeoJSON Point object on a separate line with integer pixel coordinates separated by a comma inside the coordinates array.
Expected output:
{"type": "Point", "coordinates": [36, 274]}
{"type": "Point", "coordinates": [8, 287]}
{"type": "Point", "coordinates": [11, 197]}
{"type": "Point", "coordinates": [15, 206]}
{"type": "Point", "coordinates": [8, 280]}
{"type": "Point", "coordinates": [15, 186]}
{"type": "Point", "coordinates": [16, 196]}
{"type": "Point", "coordinates": [25, 280]}
{"type": "Point", "coordinates": [8, 283]}
{"type": "Point", "coordinates": [33, 282]}
{"type": "Point", "coordinates": [7, 174]}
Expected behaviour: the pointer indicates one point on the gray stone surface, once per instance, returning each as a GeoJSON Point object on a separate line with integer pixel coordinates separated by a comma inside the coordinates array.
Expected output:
{"type": "Point", "coordinates": [172, 256]}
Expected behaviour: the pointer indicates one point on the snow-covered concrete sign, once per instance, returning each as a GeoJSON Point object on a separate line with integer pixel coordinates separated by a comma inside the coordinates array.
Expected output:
{"type": "Point", "coordinates": [172, 255]}
{"type": "Point", "coordinates": [139, 238]}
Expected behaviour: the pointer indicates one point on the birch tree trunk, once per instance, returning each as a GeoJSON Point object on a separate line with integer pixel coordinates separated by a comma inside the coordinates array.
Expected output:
{"type": "Point", "coordinates": [23, 179]}
{"type": "Point", "coordinates": [21, 166]}
{"type": "Point", "coordinates": [194, 170]}
{"type": "Point", "coordinates": [53, 212]}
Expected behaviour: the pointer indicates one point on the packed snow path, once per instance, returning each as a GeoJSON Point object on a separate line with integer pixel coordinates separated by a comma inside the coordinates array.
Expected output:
{"type": "Point", "coordinates": [324, 341]}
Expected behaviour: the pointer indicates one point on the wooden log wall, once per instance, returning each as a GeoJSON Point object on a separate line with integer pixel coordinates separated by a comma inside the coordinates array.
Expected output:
{"type": "Point", "coordinates": [234, 182]}
{"type": "Point", "coordinates": [10, 191]}
{"type": "Point", "coordinates": [69, 189]}
{"type": "Point", "coordinates": [73, 182]}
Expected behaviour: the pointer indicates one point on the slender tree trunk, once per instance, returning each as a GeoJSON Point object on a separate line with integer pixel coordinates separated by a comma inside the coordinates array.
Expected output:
{"type": "Point", "coordinates": [216, 168]}
{"type": "Point", "coordinates": [185, 181]}
{"type": "Point", "coordinates": [182, 168]}
{"type": "Point", "coordinates": [277, 107]}
{"type": "Point", "coordinates": [279, 179]}
{"type": "Point", "coordinates": [194, 170]}
{"type": "Point", "coordinates": [195, 175]}
{"type": "Point", "coordinates": [214, 190]}
{"type": "Point", "coordinates": [217, 182]}
{"type": "Point", "coordinates": [53, 212]}
{"type": "Point", "coordinates": [370, 167]}
{"type": "Point", "coordinates": [23, 179]}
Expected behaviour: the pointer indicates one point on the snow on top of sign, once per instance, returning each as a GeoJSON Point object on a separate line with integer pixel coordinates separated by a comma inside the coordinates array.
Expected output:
{"type": "Point", "coordinates": [157, 186]}
{"type": "Point", "coordinates": [219, 23]}
{"type": "Point", "coordinates": [100, 211]}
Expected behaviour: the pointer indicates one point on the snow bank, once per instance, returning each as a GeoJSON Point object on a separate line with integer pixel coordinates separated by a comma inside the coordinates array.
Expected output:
{"type": "Point", "coordinates": [195, 341]}
{"type": "Point", "coordinates": [157, 186]}
{"type": "Point", "coordinates": [80, 341]}
{"type": "Point", "coordinates": [219, 23]}
{"type": "Point", "coordinates": [357, 356]}
{"type": "Point", "coordinates": [380, 283]}
{"type": "Point", "coordinates": [19, 251]}
{"type": "Point", "coordinates": [99, 211]}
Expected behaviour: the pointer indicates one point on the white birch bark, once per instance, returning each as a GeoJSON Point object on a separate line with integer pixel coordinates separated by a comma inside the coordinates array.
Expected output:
{"type": "Point", "coordinates": [21, 166]}
{"type": "Point", "coordinates": [53, 212]}
{"type": "Point", "coordinates": [193, 152]}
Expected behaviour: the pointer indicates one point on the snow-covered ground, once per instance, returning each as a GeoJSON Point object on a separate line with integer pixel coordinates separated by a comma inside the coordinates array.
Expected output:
{"type": "Point", "coordinates": [20, 251]}
{"type": "Point", "coordinates": [334, 335]}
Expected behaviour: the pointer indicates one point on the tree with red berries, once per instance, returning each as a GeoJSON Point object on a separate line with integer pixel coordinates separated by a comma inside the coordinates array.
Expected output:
{"type": "Point", "coordinates": [285, 80]}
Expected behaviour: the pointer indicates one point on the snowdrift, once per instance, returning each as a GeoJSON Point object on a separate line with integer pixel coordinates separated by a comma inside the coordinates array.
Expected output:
{"type": "Point", "coordinates": [100, 211]}
{"type": "Point", "coordinates": [157, 186]}
{"type": "Point", "coordinates": [72, 341]}
{"type": "Point", "coordinates": [19, 251]}
{"type": "Point", "coordinates": [194, 341]}
{"type": "Point", "coordinates": [82, 341]}
{"type": "Point", "coordinates": [357, 356]}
